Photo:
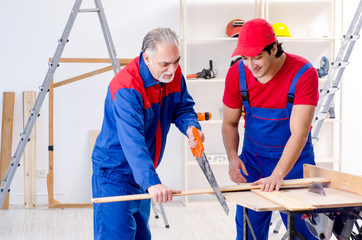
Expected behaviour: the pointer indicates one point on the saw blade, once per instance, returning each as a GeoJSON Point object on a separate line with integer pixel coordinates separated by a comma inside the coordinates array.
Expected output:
{"type": "Point", "coordinates": [205, 166]}
{"type": "Point", "coordinates": [316, 187]}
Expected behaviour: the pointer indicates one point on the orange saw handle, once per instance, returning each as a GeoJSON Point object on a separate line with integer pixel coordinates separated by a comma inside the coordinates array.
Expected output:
{"type": "Point", "coordinates": [199, 149]}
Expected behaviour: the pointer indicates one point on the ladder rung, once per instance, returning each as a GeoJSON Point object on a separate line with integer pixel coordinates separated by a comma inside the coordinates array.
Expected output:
{"type": "Point", "coordinates": [89, 10]}
{"type": "Point", "coordinates": [352, 37]}
{"type": "Point", "coordinates": [321, 115]}
{"type": "Point", "coordinates": [341, 64]}
{"type": "Point", "coordinates": [332, 90]}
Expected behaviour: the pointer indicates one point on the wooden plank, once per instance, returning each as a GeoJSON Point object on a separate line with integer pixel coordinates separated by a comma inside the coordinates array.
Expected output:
{"type": "Point", "coordinates": [122, 61]}
{"type": "Point", "coordinates": [72, 205]}
{"type": "Point", "coordinates": [6, 137]}
{"type": "Point", "coordinates": [251, 201]}
{"type": "Point", "coordinates": [83, 76]}
{"type": "Point", "coordinates": [240, 187]}
{"type": "Point", "coordinates": [29, 98]}
{"type": "Point", "coordinates": [343, 181]}
{"type": "Point", "coordinates": [289, 202]}
{"type": "Point", "coordinates": [50, 176]}
{"type": "Point", "coordinates": [334, 198]}
{"type": "Point", "coordinates": [93, 134]}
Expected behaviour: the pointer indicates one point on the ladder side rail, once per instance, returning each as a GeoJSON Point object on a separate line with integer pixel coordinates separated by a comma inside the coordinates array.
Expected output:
{"type": "Point", "coordinates": [341, 67]}
{"type": "Point", "coordinates": [339, 57]}
{"type": "Point", "coordinates": [349, 42]}
{"type": "Point", "coordinates": [107, 36]}
{"type": "Point", "coordinates": [5, 184]}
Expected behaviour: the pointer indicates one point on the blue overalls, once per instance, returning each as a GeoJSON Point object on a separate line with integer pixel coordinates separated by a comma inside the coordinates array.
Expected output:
{"type": "Point", "coordinates": [266, 133]}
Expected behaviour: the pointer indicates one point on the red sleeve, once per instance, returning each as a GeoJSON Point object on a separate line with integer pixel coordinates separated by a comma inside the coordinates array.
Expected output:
{"type": "Point", "coordinates": [307, 92]}
{"type": "Point", "coordinates": [232, 97]}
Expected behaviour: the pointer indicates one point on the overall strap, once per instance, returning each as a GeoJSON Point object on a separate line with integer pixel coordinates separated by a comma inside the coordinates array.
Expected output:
{"type": "Point", "coordinates": [243, 87]}
{"type": "Point", "coordinates": [290, 98]}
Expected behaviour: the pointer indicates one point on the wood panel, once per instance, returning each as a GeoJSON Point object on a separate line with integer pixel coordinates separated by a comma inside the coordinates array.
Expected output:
{"type": "Point", "coordinates": [252, 201]}
{"type": "Point", "coordinates": [122, 61]}
{"type": "Point", "coordinates": [289, 202]}
{"type": "Point", "coordinates": [29, 98]}
{"type": "Point", "coordinates": [339, 180]}
{"type": "Point", "coordinates": [50, 176]}
{"type": "Point", "coordinates": [6, 137]}
{"type": "Point", "coordinates": [334, 198]}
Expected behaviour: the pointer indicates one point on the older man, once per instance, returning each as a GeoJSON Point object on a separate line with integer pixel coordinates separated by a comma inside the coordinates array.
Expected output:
{"type": "Point", "coordinates": [142, 101]}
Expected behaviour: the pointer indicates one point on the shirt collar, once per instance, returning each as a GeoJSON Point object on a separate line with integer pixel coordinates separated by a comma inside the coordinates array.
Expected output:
{"type": "Point", "coordinates": [145, 73]}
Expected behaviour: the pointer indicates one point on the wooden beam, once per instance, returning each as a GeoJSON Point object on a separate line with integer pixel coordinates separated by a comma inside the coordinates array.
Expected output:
{"type": "Point", "coordinates": [83, 76]}
{"type": "Point", "coordinates": [122, 61]}
{"type": "Point", "coordinates": [50, 176]}
{"type": "Point", "coordinates": [6, 137]}
{"type": "Point", "coordinates": [233, 188]}
{"type": "Point", "coordinates": [72, 205]}
{"type": "Point", "coordinates": [29, 98]}
{"type": "Point", "coordinates": [343, 181]}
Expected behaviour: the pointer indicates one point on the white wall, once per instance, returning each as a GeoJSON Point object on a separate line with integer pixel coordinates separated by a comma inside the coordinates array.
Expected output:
{"type": "Point", "coordinates": [351, 105]}
{"type": "Point", "coordinates": [30, 30]}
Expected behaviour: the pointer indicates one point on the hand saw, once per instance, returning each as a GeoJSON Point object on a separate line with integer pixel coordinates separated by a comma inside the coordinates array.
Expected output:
{"type": "Point", "coordinates": [201, 159]}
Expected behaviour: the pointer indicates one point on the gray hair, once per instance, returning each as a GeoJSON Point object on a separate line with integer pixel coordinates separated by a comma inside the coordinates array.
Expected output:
{"type": "Point", "coordinates": [157, 36]}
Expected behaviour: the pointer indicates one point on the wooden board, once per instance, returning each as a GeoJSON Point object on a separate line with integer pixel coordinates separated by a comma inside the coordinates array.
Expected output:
{"type": "Point", "coordinates": [339, 180]}
{"type": "Point", "coordinates": [6, 137]}
{"type": "Point", "coordinates": [93, 134]}
{"type": "Point", "coordinates": [232, 188]}
{"type": "Point", "coordinates": [50, 176]}
{"type": "Point", "coordinates": [252, 201]}
{"type": "Point", "coordinates": [334, 198]}
{"type": "Point", "coordinates": [291, 203]}
{"type": "Point", "coordinates": [29, 98]}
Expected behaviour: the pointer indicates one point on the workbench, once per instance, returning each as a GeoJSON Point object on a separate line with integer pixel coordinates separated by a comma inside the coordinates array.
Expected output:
{"type": "Point", "coordinates": [343, 193]}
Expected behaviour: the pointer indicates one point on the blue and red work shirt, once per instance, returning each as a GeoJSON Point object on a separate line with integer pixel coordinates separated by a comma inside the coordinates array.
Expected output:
{"type": "Point", "coordinates": [138, 113]}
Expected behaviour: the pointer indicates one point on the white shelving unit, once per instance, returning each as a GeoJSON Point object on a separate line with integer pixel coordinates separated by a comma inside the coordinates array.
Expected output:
{"type": "Point", "coordinates": [315, 33]}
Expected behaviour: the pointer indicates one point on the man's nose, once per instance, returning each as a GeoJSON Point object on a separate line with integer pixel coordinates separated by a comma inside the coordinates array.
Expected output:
{"type": "Point", "coordinates": [172, 68]}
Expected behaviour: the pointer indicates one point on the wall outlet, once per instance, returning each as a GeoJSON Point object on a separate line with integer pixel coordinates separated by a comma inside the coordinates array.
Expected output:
{"type": "Point", "coordinates": [41, 173]}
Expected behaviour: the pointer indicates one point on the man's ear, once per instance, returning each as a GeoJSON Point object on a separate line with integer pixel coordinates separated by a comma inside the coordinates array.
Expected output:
{"type": "Point", "coordinates": [274, 50]}
{"type": "Point", "coordinates": [146, 58]}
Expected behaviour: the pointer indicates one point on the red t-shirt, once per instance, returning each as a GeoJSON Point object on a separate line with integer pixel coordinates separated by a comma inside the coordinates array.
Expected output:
{"type": "Point", "coordinates": [273, 94]}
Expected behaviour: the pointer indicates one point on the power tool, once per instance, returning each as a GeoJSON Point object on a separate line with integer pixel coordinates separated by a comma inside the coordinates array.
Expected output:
{"type": "Point", "coordinates": [204, 116]}
{"type": "Point", "coordinates": [205, 73]}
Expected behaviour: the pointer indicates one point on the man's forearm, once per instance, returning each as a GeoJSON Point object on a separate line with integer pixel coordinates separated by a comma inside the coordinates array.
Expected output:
{"type": "Point", "coordinates": [231, 139]}
{"type": "Point", "coordinates": [290, 155]}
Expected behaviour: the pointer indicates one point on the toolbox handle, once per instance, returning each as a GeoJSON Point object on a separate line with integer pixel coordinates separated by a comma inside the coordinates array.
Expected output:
{"type": "Point", "coordinates": [199, 149]}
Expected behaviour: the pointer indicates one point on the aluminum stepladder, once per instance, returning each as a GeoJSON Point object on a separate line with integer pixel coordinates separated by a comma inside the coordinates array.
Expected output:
{"type": "Point", "coordinates": [24, 136]}
{"type": "Point", "coordinates": [336, 72]}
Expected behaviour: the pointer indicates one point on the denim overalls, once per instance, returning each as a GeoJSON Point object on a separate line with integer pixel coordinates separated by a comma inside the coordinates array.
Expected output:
{"type": "Point", "coordinates": [267, 131]}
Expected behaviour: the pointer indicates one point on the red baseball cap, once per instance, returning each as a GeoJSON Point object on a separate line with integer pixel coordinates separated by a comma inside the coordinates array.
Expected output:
{"type": "Point", "coordinates": [254, 36]}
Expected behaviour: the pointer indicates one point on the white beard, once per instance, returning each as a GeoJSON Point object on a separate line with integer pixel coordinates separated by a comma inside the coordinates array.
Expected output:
{"type": "Point", "coordinates": [163, 80]}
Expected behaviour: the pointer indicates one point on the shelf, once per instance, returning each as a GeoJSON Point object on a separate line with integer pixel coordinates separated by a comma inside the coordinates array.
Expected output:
{"type": "Point", "coordinates": [326, 160]}
{"type": "Point", "coordinates": [194, 162]}
{"type": "Point", "coordinates": [212, 80]}
{"type": "Point", "coordinates": [201, 39]}
{"type": "Point", "coordinates": [281, 39]}
{"type": "Point", "coordinates": [315, 33]}
{"type": "Point", "coordinates": [314, 38]}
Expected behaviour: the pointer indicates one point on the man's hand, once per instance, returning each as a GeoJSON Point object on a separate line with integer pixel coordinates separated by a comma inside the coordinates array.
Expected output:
{"type": "Point", "coordinates": [235, 165]}
{"type": "Point", "coordinates": [192, 139]}
{"type": "Point", "coordinates": [161, 193]}
{"type": "Point", "coordinates": [270, 183]}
